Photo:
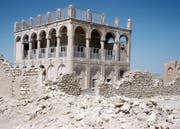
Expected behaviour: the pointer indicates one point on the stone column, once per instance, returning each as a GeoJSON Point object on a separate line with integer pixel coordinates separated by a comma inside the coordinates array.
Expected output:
{"type": "Point", "coordinates": [30, 49]}
{"type": "Point", "coordinates": [102, 50]}
{"type": "Point", "coordinates": [102, 72]}
{"type": "Point", "coordinates": [38, 48]}
{"type": "Point", "coordinates": [57, 48]}
{"type": "Point", "coordinates": [116, 73]}
{"type": "Point", "coordinates": [117, 46]}
{"type": "Point", "coordinates": [116, 50]}
{"type": "Point", "coordinates": [87, 77]}
{"type": "Point", "coordinates": [22, 50]}
{"type": "Point", "coordinates": [87, 48]}
{"type": "Point", "coordinates": [47, 47]}
{"type": "Point", "coordinates": [129, 26]}
{"type": "Point", "coordinates": [129, 48]}
{"type": "Point", "coordinates": [70, 49]}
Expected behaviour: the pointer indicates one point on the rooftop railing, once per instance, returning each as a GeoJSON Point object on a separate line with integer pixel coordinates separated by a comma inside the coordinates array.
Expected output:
{"type": "Point", "coordinates": [58, 15]}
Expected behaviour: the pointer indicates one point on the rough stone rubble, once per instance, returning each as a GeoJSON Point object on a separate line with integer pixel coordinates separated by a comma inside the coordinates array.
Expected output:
{"type": "Point", "coordinates": [58, 110]}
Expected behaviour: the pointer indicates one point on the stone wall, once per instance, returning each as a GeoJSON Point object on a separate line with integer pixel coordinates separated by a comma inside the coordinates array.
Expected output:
{"type": "Point", "coordinates": [68, 83]}
{"type": "Point", "coordinates": [7, 78]}
{"type": "Point", "coordinates": [28, 84]}
{"type": "Point", "coordinates": [171, 71]}
{"type": "Point", "coordinates": [139, 84]}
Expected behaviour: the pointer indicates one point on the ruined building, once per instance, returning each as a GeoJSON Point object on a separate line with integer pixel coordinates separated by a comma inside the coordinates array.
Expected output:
{"type": "Point", "coordinates": [73, 40]}
{"type": "Point", "coordinates": [171, 71]}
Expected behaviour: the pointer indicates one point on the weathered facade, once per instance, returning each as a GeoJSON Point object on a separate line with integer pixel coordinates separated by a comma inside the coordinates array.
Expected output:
{"type": "Point", "coordinates": [171, 71]}
{"type": "Point", "coordinates": [73, 40]}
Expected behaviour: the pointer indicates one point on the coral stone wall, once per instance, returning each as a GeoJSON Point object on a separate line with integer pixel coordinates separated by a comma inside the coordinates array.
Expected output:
{"type": "Point", "coordinates": [139, 84]}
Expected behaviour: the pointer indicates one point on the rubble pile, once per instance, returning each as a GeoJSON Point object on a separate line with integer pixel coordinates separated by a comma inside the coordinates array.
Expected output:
{"type": "Point", "coordinates": [88, 112]}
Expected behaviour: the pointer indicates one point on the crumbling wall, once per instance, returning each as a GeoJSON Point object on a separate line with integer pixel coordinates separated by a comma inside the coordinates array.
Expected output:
{"type": "Point", "coordinates": [68, 83]}
{"type": "Point", "coordinates": [28, 84]}
{"type": "Point", "coordinates": [23, 82]}
{"type": "Point", "coordinates": [139, 84]}
{"type": "Point", "coordinates": [7, 78]}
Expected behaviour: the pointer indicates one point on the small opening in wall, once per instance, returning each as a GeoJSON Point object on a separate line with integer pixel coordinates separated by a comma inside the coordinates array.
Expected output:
{"type": "Point", "coordinates": [44, 75]}
{"type": "Point", "coordinates": [170, 70]}
{"type": "Point", "coordinates": [121, 74]}
{"type": "Point", "coordinates": [108, 80]}
{"type": "Point", "coordinates": [122, 48]}
{"type": "Point", "coordinates": [94, 82]}
{"type": "Point", "coordinates": [42, 66]}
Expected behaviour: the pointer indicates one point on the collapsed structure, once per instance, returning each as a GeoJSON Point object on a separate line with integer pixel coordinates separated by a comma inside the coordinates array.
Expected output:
{"type": "Point", "coordinates": [73, 40]}
{"type": "Point", "coordinates": [171, 71]}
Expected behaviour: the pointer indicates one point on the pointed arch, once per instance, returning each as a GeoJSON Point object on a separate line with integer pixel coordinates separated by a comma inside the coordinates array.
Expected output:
{"type": "Point", "coordinates": [52, 37]}
{"type": "Point", "coordinates": [63, 35]}
{"type": "Point", "coordinates": [80, 36]}
{"type": "Point", "coordinates": [123, 39]}
{"type": "Point", "coordinates": [25, 46]}
{"type": "Point", "coordinates": [34, 40]}
{"type": "Point", "coordinates": [43, 40]}
{"type": "Point", "coordinates": [109, 40]}
{"type": "Point", "coordinates": [18, 39]}
{"type": "Point", "coordinates": [95, 39]}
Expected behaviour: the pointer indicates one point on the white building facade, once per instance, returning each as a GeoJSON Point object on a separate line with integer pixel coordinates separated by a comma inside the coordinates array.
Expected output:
{"type": "Point", "coordinates": [73, 40]}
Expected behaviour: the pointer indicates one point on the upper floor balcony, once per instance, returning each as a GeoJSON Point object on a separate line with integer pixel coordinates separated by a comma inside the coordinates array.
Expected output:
{"type": "Point", "coordinates": [80, 52]}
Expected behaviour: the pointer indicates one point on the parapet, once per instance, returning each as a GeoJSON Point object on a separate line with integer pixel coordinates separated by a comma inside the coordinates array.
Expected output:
{"type": "Point", "coordinates": [70, 12]}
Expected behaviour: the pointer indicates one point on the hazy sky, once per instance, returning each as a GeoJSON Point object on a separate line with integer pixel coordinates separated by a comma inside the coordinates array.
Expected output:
{"type": "Point", "coordinates": [156, 25]}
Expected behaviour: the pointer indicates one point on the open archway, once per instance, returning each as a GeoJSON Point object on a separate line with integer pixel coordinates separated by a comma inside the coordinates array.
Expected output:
{"type": "Point", "coordinates": [109, 41]}
{"type": "Point", "coordinates": [80, 37]}
{"type": "Point", "coordinates": [53, 38]}
{"type": "Point", "coordinates": [25, 46]}
{"type": "Point", "coordinates": [51, 72]}
{"type": "Point", "coordinates": [63, 36]}
{"type": "Point", "coordinates": [43, 44]}
{"type": "Point", "coordinates": [94, 76]}
{"type": "Point", "coordinates": [18, 39]}
{"type": "Point", "coordinates": [95, 39]}
{"type": "Point", "coordinates": [53, 43]}
{"type": "Point", "coordinates": [79, 42]}
{"type": "Point", "coordinates": [123, 39]}
{"type": "Point", "coordinates": [43, 40]}
{"type": "Point", "coordinates": [123, 47]}
{"type": "Point", "coordinates": [170, 71]}
{"type": "Point", "coordinates": [34, 45]}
